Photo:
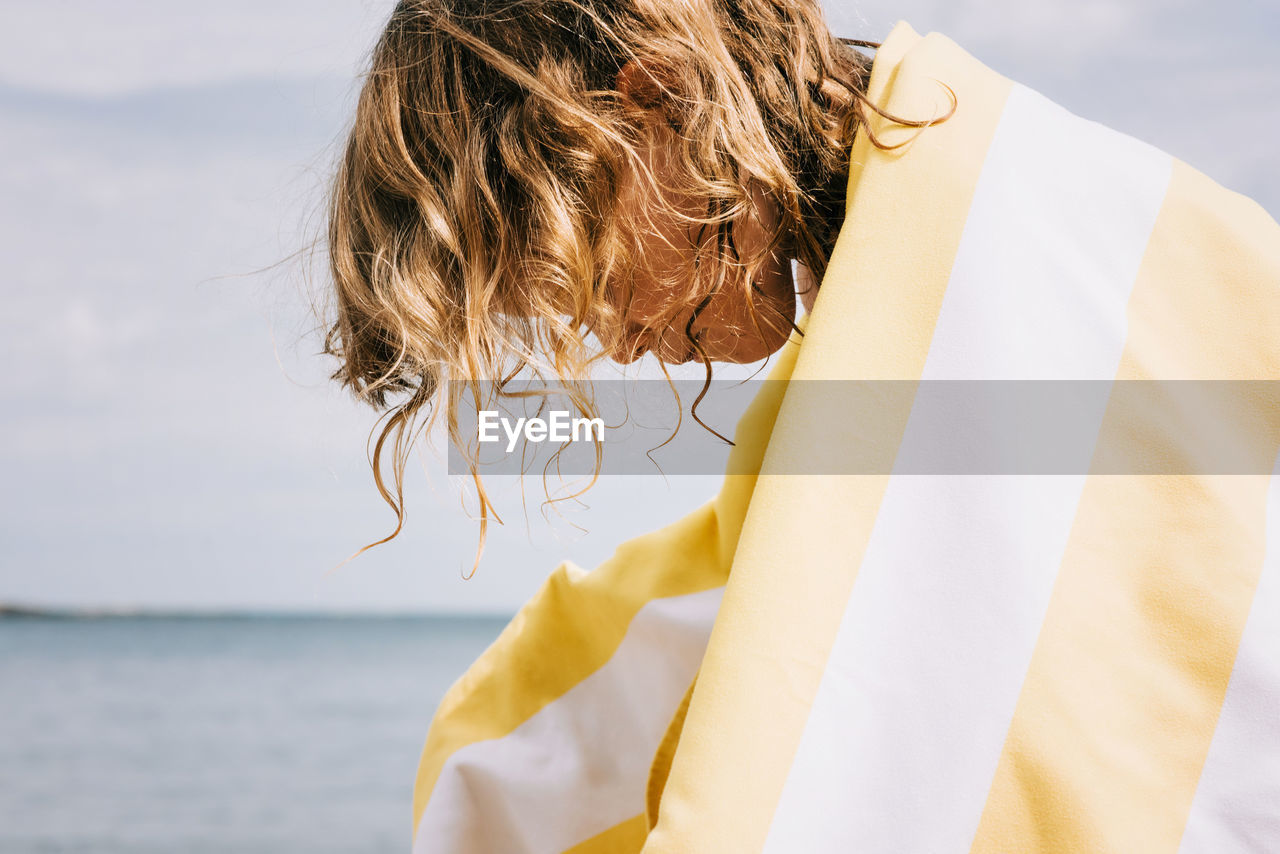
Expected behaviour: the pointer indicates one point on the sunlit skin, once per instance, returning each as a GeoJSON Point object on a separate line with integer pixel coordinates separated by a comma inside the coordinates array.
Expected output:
{"type": "Point", "coordinates": [658, 279]}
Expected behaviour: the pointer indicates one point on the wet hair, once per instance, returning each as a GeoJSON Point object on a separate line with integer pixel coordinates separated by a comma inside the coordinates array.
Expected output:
{"type": "Point", "coordinates": [470, 227]}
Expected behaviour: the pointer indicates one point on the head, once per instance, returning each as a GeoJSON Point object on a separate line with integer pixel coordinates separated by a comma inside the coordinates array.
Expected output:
{"type": "Point", "coordinates": [539, 184]}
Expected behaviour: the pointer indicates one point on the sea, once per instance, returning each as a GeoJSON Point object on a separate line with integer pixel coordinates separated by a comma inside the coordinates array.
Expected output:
{"type": "Point", "coordinates": [228, 734]}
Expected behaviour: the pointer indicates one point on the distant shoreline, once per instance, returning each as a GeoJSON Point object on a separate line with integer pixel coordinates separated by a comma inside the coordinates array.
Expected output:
{"type": "Point", "coordinates": [22, 611]}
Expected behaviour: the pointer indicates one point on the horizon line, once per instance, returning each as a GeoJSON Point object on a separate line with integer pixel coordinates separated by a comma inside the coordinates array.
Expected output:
{"type": "Point", "coordinates": [20, 610]}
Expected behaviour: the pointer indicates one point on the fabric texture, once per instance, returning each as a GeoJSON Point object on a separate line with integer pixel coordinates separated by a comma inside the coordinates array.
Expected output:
{"type": "Point", "coordinates": [930, 662]}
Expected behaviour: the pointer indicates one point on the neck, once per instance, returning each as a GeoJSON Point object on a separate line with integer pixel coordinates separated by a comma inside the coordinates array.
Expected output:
{"type": "Point", "coordinates": [806, 287]}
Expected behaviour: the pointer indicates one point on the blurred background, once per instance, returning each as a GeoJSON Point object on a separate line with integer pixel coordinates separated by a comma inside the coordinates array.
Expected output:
{"type": "Point", "coordinates": [183, 664]}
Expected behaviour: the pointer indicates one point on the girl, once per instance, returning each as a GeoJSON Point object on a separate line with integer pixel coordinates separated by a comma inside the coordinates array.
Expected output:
{"type": "Point", "coordinates": [520, 176]}
{"type": "Point", "coordinates": [866, 657]}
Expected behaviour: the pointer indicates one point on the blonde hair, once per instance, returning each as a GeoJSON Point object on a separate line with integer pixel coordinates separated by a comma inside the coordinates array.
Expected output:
{"type": "Point", "coordinates": [470, 226]}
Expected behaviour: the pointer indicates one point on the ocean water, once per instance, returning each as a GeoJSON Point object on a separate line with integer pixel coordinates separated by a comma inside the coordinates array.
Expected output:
{"type": "Point", "coordinates": [219, 734]}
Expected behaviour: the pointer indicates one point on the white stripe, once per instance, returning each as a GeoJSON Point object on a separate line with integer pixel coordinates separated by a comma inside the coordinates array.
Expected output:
{"type": "Point", "coordinates": [1237, 801]}
{"type": "Point", "coordinates": [580, 765]}
{"type": "Point", "coordinates": [905, 733]}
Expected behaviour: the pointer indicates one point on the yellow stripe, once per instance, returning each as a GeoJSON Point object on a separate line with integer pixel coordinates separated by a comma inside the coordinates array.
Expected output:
{"type": "Point", "coordinates": [624, 838]}
{"type": "Point", "coordinates": [1123, 692]}
{"type": "Point", "coordinates": [576, 621]}
{"type": "Point", "coordinates": [873, 320]}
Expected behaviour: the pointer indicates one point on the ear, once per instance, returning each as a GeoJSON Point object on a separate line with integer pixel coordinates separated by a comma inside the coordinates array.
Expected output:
{"type": "Point", "coordinates": [642, 83]}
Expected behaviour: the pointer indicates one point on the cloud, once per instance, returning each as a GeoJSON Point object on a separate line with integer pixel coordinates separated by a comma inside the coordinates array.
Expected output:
{"type": "Point", "coordinates": [87, 47]}
{"type": "Point", "coordinates": [170, 435]}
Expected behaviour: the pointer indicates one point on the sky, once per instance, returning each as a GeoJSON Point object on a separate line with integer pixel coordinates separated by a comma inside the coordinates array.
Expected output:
{"type": "Point", "coordinates": [170, 436]}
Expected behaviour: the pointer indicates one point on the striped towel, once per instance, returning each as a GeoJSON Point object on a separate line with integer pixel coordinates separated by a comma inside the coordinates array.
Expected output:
{"type": "Point", "coordinates": [1073, 662]}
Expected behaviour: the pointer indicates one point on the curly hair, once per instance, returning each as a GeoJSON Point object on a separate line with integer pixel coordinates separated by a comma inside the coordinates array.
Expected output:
{"type": "Point", "coordinates": [471, 233]}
